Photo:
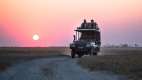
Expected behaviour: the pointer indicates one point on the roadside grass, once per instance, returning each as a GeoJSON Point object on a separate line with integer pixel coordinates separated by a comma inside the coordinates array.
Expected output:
{"type": "Point", "coordinates": [129, 64]}
{"type": "Point", "coordinates": [14, 55]}
{"type": "Point", "coordinates": [126, 61]}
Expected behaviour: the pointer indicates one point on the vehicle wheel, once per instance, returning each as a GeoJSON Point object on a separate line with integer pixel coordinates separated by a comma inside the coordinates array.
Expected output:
{"type": "Point", "coordinates": [91, 52]}
{"type": "Point", "coordinates": [72, 54]}
{"type": "Point", "coordinates": [95, 53]}
{"type": "Point", "coordinates": [80, 55]}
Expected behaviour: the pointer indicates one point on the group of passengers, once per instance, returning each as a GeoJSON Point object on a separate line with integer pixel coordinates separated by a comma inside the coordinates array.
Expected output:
{"type": "Point", "coordinates": [91, 25]}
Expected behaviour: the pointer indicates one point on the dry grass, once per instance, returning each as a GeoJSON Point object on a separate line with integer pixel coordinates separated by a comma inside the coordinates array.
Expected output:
{"type": "Point", "coordinates": [12, 55]}
{"type": "Point", "coordinates": [128, 63]}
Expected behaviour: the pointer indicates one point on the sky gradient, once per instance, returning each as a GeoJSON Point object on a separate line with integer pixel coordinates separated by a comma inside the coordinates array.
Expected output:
{"type": "Point", "coordinates": [120, 21]}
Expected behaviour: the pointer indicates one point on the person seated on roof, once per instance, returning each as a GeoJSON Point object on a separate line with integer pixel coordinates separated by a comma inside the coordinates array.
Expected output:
{"type": "Point", "coordinates": [94, 25]}
{"type": "Point", "coordinates": [84, 24]}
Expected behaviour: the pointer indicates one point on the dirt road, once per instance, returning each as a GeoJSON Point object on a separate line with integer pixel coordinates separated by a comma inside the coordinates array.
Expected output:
{"type": "Point", "coordinates": [59, 68]}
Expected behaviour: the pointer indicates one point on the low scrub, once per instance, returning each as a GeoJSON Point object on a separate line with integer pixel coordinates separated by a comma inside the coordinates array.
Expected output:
{"type": "Point", "coordinates": [129, 65]}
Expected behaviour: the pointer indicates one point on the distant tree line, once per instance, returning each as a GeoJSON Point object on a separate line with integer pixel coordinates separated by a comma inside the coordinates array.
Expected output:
{"type": "Point", "coordinates": [121, 45]}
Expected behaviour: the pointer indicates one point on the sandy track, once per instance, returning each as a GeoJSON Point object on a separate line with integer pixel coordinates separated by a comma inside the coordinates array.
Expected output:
{"type": "Point", "coordinates": [62, 68]}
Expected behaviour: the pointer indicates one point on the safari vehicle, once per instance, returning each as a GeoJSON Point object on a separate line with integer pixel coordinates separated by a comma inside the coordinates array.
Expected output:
{"type": "Point", "coordinates": [87, 40]}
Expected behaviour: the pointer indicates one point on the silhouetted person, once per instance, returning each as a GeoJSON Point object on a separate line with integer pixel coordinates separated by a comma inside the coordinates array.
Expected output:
{"type": "Point", "coordinates": [94, 24]}
{"type": "Point", "coordinates": [84, 24]}
{"type": "Point", "coordinates": [74, 37]}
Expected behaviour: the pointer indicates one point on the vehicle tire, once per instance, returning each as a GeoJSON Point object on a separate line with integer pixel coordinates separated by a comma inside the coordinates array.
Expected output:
{"type": "Point", "coordinates": [80, 55]}
{"type": "Point", "coordinates": [95, 53]}
{"type": "Point", "coordinates": [91, 52]}
{"type": "Point", "coordinates": [73, 54]}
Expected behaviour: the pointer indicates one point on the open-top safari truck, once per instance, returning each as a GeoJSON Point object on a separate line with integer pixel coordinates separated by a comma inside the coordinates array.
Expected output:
{"type": "Point", "coordinates": [87, 40]}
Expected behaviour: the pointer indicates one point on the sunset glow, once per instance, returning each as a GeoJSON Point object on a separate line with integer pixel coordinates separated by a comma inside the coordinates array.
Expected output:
{"type": "Point", "coordinates": [120, 21]}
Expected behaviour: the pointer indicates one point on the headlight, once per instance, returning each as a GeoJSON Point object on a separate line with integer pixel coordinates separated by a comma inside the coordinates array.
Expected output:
{"type": "Point", "coordinates": [93, 44]}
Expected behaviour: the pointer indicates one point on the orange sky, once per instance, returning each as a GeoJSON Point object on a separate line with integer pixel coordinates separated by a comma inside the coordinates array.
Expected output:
{"type": "Point", "coordinates": [54, 20]}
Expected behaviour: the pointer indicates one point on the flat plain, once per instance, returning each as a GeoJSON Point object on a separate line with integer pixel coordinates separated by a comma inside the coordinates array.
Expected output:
{"type": "Point", "coordinates": [14, 55]}
{"type": "Point", "coordinates": [123, 61]}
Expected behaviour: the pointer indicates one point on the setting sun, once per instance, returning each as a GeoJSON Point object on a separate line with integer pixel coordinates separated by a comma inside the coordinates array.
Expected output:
{"type": "Point", "coordinates": [35, 37]}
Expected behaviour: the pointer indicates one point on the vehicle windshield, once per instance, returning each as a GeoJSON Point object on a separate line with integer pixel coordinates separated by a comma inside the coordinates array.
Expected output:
{"type": "Point", "coordinates": [89, 36]}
